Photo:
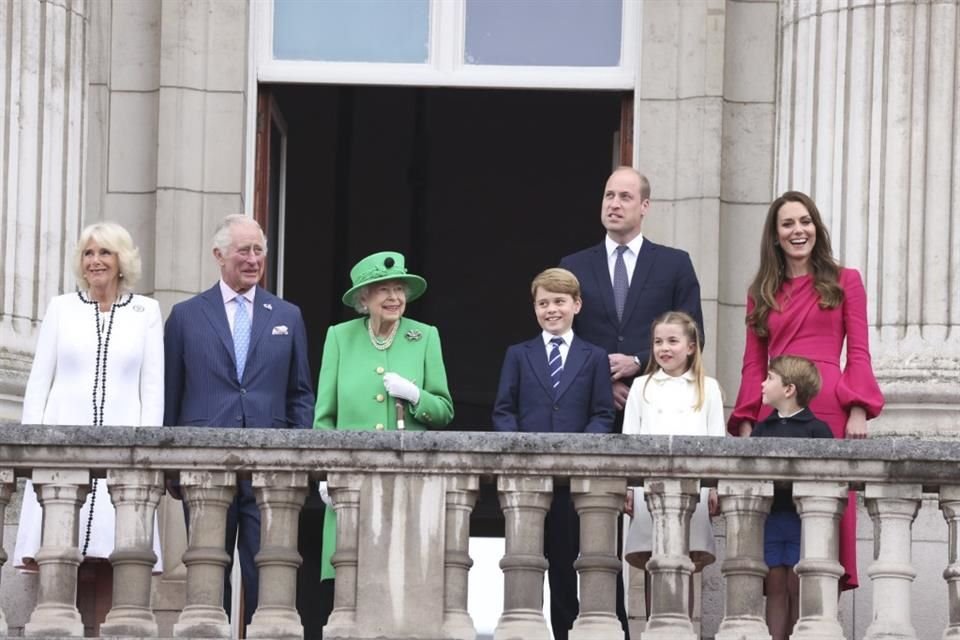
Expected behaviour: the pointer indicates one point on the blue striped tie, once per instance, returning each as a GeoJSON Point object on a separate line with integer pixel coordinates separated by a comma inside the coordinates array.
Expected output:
{"type": "Point", "coordinates": [555, 363]}
{"type": "Point", "coordinates": [241, 335]}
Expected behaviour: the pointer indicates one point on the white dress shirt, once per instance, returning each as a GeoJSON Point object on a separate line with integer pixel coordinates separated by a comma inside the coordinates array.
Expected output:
{"type": "Point", "coordinates": [629, 256]}
{"type": "Point", "coordinates": [564, 348]}
{"type": "Point", "coordinates": [231, 298]}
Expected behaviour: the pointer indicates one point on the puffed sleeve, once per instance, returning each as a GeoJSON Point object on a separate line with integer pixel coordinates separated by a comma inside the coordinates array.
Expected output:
{"type": "Point", "coordinates": [755, 360]}
{"type": "Point", "coordinates": [325, 410]}
{"type": "Point", "coordinates": [151, 374]}
{"type": "Point", "coordinates": [858, 386]}
{"type": "Point", "coordinates": [44, 367]}
{"type": "Point", "coordinates": [435, 407]}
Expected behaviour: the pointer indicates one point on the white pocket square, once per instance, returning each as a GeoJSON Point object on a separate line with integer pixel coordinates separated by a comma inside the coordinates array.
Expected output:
{"type": "Point", "coordinates": [280, 330]}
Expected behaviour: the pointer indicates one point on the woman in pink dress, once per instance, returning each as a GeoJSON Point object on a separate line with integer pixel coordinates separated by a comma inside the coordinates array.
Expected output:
{"type": "Point", "coordinates": [801, 302]}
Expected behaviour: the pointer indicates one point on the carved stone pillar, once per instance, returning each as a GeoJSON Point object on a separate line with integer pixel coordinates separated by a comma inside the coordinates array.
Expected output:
{"type": "Point", "coordinates": [525, 501]}
{"type": "Point", "coordinates": [892, 508]}
{"type": "Point", "coordinates": [208, 494]}
{"type": "Point", "coordinates": [44, 113]}
{"type": "Point", "coordinates": [820, 505]}
{"type": "Point", "coordinates": [8, 485]}
{"type": "Point", "coordinates": [671, 503]}
{"type": "Point", "coordinates": [745, 506]}
{"type": "Point", "coordinates": [461, 496]}
{"type": "Point", "coordinates": [135, 495]}
{"type": "Point", "coordinates": [280, 496]}
{"type": "Point", "coordinates": [867, 125]}
{"type": "Point", "coordinates": [599, 502]}
{"type": "Point", "coordinates": [345, 492]}
{"type": "Point", "coordinates": [636, 597]}
{"type": "Point", "coordinates": [950, 505]}
{"type": "Point", "coordinates": [61, 493]}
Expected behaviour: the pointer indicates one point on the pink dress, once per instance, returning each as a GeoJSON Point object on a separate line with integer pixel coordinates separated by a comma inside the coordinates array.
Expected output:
{"type": "Point", "coordinates": [802, 328]}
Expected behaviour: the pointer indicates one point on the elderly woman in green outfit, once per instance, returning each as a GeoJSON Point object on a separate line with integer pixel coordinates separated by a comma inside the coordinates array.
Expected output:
{"type": "Point", "coordinates": [379, 370]}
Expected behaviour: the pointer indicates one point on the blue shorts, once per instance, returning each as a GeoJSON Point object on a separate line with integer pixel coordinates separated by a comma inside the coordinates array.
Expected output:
{"type": "Point", "coordinates": [781, 539]}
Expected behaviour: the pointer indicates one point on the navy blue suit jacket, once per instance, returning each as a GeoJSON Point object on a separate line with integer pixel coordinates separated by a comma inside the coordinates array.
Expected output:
{"type": "Point", "coordinates": [201, 385]}
{"type": "Point", "coordinates": [663, 280]}
{"type": "Point", "coordinates": [526, 400]}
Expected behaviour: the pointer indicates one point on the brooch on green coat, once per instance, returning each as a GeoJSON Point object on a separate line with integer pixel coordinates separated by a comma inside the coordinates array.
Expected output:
{"type": "Point", "coordinates": [413, 335]}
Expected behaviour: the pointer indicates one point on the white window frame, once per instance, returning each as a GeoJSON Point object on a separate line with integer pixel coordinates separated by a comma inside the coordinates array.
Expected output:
{"type": "Point", "coordinates": [444, 68]}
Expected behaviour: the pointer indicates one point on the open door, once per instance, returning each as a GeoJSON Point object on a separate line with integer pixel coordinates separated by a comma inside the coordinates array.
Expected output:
{"type": "Point", "coordinates": [269, 197]}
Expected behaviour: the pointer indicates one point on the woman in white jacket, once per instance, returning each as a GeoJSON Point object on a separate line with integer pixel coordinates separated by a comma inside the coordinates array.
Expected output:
{"type": "Point", "coordinates": [98, 361]}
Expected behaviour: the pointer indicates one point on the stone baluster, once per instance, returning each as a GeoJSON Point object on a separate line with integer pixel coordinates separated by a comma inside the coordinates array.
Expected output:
{"type": "Point", "coordinates": [461, 496]}
{"type": "Point", "coordinates": [892, 507]}
{"type": "Point", "coordinates": [525, 501]}
{"type": "Point", "coordinates": [599, 502]}
{"type": "Point", "coordinates": [344, 491]}
{"type": "Point", "coordinates": [671, 502]}
{"type": "Point", "coordinates": [280, 496]}
{"type": "Point", "coordinates": [209, 495]}
{"type": "Point", "coordinates": [135, 495]}
{"type": "Point", "coordinates": [950, 506]}
{"type": "Point", "coordinates": [820, 505]}
{"type": "Point", "coordinates": [745, 505]}
{"type": "Point", "coordinates": [636, 597]}
{"type": "Point", "coordinates": [61, 493]}
{"type": "Point", "coordinates": [8, 485]}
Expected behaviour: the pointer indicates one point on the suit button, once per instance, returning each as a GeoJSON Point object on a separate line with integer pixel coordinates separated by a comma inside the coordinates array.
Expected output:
{"type": "Point", "coordinates": [619, 338]}
{"type": "Point", "coordinates": [379, 427]}
{"type": "Point", "coordinates": [380, 370]}
{"type": "Point", "coordinates": [556, 407]}
{"type": "Point", "coordinates": [243, 392]}
{"type": "Point", "coordinates": [379, 397]}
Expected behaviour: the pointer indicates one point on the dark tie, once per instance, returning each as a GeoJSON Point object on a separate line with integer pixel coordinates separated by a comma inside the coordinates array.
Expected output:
{"type": "Point", "coordinates": [555, 363]}
{"type": "Point", "coordinates": [620, 282]}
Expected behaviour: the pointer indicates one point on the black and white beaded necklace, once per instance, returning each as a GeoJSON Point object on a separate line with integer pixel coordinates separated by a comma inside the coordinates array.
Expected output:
{"type": "Point", "coordinates": [100, 383]}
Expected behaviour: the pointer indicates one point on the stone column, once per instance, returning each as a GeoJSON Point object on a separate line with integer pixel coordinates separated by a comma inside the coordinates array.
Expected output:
{"type": "Point", "coordinates": [820, 505]}
{"type": "Point", "coordinates": [636, 598]}
{"type": "Point", "coordinates": [42, 93]}
{"type": "Point", "coordinates": [525, 501]}
{"type": "Point", "coordinates": [344, 490]}
{"type": "Point", "coordinates": [461, 496]}
{"type": "Point", "coordinates": [135, 495]}
{"type": "Point", "coordinates": [671, 502]}
{"type": "Point", "coordinates": [599, 502]}
{"type": "Point", "coordinates": [8, 485]}
{"type": "Point", "coordinates": [866, 124]}
{"type": "Point", "coordinates": [61, 493]}
{"type": "Point", "coordinates": [950, 505]}
{"type": "Point", "coordinates": [745, 506]}
{"type": "Point", "coordinates": [892, 508]}
{"type": "Point", "coordinates": [208, 494]}
{"type": "Point", "coordinates": [280, 496]}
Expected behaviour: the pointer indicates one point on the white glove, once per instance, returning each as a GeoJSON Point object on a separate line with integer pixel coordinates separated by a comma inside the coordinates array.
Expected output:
{"type": "Point", "coordinates": [399, 387]}
{"type": "Point", "coordinates": [324, 494]}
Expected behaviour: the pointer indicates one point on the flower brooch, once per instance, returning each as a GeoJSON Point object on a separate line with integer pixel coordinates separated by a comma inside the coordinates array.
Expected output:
{"type": "Point", "coordinates": [413, 335]}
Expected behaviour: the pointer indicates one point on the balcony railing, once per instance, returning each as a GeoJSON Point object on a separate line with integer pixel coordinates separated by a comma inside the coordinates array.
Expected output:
{"type": "Point", "coordinates": [403, 503]}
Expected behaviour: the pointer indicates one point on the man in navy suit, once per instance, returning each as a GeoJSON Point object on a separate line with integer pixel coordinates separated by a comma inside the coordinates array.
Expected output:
{"type": "Point", "coordinates": [657, 279]}
{"type": "Point", "coordinates": [236, 356]}
{"type": "Point", "coordinates": [556, 383]}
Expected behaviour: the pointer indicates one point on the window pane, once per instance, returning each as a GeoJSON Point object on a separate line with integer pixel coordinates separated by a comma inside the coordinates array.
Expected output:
{"type": "Point", "coordinates": [578, 33]}
{"type": "Point", "coordinates": [351, 30]}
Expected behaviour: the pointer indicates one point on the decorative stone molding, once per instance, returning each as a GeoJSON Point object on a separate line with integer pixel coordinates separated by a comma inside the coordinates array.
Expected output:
{"type": "Point", "coordinates": [7, 486]}
{"type": "Point", "coordinates": [525, 501]}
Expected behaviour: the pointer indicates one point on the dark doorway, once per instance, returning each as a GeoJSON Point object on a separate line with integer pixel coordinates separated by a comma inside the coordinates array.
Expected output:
{"type": "Point", "coordinates": [480, 189]}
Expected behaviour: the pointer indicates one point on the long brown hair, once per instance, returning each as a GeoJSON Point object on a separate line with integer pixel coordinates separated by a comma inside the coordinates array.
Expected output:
{"type": "Point", "coordinates": [694, 361]}
{"type": "Point", "coordinates": [772, 272]}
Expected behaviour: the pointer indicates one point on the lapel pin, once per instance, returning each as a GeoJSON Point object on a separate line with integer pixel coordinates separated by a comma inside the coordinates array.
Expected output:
{"type": "Point", "coordinates": [267, 305]}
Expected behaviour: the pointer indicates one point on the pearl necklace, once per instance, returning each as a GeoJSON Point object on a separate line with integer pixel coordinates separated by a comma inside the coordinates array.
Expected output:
{"type": "Point", "coordinates": [382, 344]}
{"type": "Point", "coordinates": [100, 383]}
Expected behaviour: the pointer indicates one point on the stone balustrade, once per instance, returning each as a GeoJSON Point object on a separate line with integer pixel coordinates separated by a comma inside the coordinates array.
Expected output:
{"type": "Point", "coordinates": [403, 502]}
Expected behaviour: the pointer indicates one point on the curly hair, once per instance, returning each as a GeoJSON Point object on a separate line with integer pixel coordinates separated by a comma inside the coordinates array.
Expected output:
{"type": "Point", "coordinates": [115, 238]}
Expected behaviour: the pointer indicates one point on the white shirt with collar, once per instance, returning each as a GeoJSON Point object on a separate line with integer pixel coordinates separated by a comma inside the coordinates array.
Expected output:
{"type": "Point", "coordinates": [564, 348]}
{"type": "Point", "coordinates": [665, 406]}
{"type": "Point", "coordinates": [629, 256]}
{"type": "Point", "coordinates": [229, 304]}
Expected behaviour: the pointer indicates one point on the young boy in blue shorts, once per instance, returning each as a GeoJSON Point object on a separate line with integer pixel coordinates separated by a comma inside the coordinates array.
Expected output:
{"type": "Point", "coordinates": [791, 383]}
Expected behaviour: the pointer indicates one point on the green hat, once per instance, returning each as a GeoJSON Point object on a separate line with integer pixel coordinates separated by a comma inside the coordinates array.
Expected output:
{"type": "Point", "coordinates": [386, 265]}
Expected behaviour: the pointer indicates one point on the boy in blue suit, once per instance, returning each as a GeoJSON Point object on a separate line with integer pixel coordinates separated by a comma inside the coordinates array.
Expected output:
{"type": "Point", "coordinates": [557, 383]}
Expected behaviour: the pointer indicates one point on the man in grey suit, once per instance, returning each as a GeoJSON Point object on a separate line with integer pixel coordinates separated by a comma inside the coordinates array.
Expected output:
{"type": "Point", "coordinates": [236, 356]}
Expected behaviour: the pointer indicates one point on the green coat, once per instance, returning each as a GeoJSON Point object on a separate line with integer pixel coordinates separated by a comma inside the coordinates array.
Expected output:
{"type": "Point", "coordinates": [350, 393]}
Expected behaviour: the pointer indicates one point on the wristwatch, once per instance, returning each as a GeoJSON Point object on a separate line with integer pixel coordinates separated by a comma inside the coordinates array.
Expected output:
{"type": "Point", "coordinates": [636, 359]}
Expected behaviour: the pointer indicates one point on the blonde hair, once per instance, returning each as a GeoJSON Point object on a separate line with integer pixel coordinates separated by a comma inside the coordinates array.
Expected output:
{"type": "Point", "coordinates": [117, 240]}
{"type": "Point", "coordinates": [694, 361]}
{"type": "Point", "coordinates": [556, 280]}
{"type": "Point", "coordinates": [799, 372]}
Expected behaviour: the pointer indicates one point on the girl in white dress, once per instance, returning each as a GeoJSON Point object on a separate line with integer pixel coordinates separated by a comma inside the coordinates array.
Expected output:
{"type": "Point", "coordinates": [98, 361]}
{"type": "Point", "coordinates": [673, 398]}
